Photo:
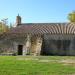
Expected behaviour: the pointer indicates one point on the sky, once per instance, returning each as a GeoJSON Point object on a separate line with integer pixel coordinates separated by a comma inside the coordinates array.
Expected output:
{"type": "Point", "coordinates": [36, 11]}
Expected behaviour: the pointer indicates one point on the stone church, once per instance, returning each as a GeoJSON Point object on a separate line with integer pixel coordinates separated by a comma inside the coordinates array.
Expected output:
{"type": "Point", "coordinates": [39, 39]}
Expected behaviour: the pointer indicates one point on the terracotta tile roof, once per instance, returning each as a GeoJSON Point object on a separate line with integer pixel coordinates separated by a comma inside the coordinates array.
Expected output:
{"type": "Point", "coordinates": [42, 28]}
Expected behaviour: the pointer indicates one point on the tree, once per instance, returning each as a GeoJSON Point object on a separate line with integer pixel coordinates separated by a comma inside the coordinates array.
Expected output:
{"type": "Point", "coordinates": [3, 26]}
{"type": "Point", "coordinates": [71, 16]}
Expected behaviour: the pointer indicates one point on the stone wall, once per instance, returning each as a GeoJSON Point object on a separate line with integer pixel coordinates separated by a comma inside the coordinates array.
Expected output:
{"type": "Point", "coordinates": [38, 44]}
{"type": "Point", "coordinates": [65, 46]}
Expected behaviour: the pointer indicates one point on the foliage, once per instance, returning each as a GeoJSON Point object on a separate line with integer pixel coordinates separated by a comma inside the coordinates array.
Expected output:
{"type": "Point", "coordinates": [71, 17]}
{"type": "Point", "coordinates": [31, 65]}
{"type": "Point", "coordinates": [3, 27]}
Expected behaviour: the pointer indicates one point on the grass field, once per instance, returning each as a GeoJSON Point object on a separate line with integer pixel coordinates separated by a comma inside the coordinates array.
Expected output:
{"type": "Point", "coordinates": [37, 65]}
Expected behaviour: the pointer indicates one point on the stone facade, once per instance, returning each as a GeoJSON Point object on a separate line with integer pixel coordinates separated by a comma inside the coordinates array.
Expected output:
{"type": "Point", "coordinates": [54, 46]}
{"type": "Point", "coordinates": [39, 45]}
{"type": "Point", "coordinates": [39, 39]}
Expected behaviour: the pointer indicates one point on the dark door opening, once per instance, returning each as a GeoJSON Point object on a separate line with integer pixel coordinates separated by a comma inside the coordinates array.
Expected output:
{"type": "Point", "coordinates": [20, 49]}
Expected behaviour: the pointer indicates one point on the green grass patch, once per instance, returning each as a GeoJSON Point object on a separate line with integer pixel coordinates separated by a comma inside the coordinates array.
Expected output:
{"type": "Point", "coordinates": [37, 65]}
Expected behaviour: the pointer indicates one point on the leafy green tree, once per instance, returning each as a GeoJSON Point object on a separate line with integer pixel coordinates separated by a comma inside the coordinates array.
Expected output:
{"type": "Point", "coordinates": [3, 26]}
{"type": "Point", "coordinates": [71, 16]}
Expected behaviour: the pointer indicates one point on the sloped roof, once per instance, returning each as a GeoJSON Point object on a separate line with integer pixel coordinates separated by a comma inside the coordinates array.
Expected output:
{"type": "Point", "coordinates": [44, 28]}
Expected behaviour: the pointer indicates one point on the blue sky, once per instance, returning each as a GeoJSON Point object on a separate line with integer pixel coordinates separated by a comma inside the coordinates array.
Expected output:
{"type": "Point", "coordinates": [34, 11]}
